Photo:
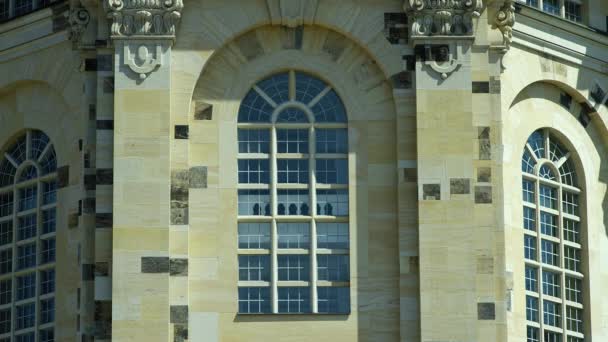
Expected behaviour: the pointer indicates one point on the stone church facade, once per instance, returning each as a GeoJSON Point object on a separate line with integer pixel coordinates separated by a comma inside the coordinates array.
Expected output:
{"type": "Point", "coordinates": [300, 170]}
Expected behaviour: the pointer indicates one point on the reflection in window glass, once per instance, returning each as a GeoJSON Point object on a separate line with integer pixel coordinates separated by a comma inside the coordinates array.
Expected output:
{"type": "Point", "coordinates": [293, 202]}
{"type": "Point", "coordinates": [293, 235]}
{"type": "Point", "coordinates": [333, 267]}
{"type": "Point", "coordinates": [332, 140]}
{"type": "Point", "coordinates": [332, 235]}
{"type": "Point", "coordinates": [254, 300]}
{"type": "Point", "coordinates": [294, 300]}
{"type": "Point", "coordinates": [254, 235]}
{"type": "Point", "coordinates": [332, 202]}
{"type": "Point", "coordinates": [292, 141]}
{"type": "Point", "coordinates": [254, 202]}
{"type": "Point", "coordinates": [254, 140]}
{"type": "Point", "coordinates": [294, 267]}
{"type": "Point", "coordinates": [332, 171]}
{"type": "Point", "coordinates": [333, 300]}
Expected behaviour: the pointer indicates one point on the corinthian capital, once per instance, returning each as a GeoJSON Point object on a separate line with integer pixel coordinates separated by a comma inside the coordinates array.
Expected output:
{"type": "Point", "coordinates": [442, 18]}
{"type": "Point", "coordinates": [143, 18]}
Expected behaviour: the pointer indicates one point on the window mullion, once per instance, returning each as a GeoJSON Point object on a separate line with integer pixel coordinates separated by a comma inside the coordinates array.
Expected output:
{"type": "Point", "coordinates": [313, 225]}
{"type": "Point", "coordinates": [541, 311]}
{"type": "Point", "coordinates": [562, 257]}
{"type": "Point", "coordinates": [274, 274]}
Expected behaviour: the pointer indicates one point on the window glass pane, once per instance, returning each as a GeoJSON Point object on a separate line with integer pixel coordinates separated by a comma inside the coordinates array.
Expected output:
{"type": "Point", "coordinates": [574, 319]}
{"type": "Point", "coordinates": [25, 316]}
{"type": "Point", "coordinates": [552, 313]}
{"type": "Point", "coordinates": [528, 191]}
{"type": "Point", "coordinates": [574, 290]}
{"type": "Point", "coordinates": [254, 140]}
{"type": "Point", "coordinates": [49, 192]}
{"type": "Point", "coordinates": [530, 247]}
{"type": "Point", "coordinates": [572, 259]}
{"type": "Point", "coordinates": [23, 7]}
{"type": "Point", "coordinates": [568, 174]}
{"type": "Point", "coordinates": [4, 9]}
{"type": "Point", "coordinates": [29, 172]}
{"type": "Point", "coordinates": [332, 140]}
{"type": "Point", "coordinates": [28, 337]}
{"type": "Point", "coordinates": [532, 308]}
{"type": "Point", "coordinates": [39, 143]}
{"type": "Point", "coordinates": [570, 203]}
{"type": "Point", "coordinates": [26, 256]}
{"type": "Point", "coordinates": [537, 142]}
{"type": "Point", "coordinates": [6, 232]}
{"type": "Point", "coordinates": [6, 291]}
{"type": "Point", "coordinates": [546, 172]}
{"type": "Point", "coordinates": [47, 310]}
{"type": "Point", "coordinates": [6, 261]}
{"type": "Point", "coordinates": [47, 252]}
{"type": "Point", "coordinates": [548, 197]}
{"type": "Point", "coordinates": [47, 335]}
{"type": "Point", "coordinates": [254, 267]}
{"type": "Point", "coordinates": [47, 281]}
{"type": "Point", "coordinates": [254, 108]}
{"type": "Point", "coordinates": [333, 267]}
{"type": "Point", "coordinates": [329, 109]}
{"type": "Point", "coordinates": [276, 87]}
{"type": "Point", "coordinates": [332, 202]}
{"type": "Point", "coordinates": [27, 227]}
{"type": "Point", "coordinates": [333, 300]}
{"type": "Point", "coordinates": [531, 279]}
{"type": "Point", "coordinates": [307, 88]}
{"type": "Point", "coordinates": [551, 336]}
{"type": "Point", "coordinates": [332, 235]}
{"type": "Point", "coordinates": [28, 198]}
{"type": "Point", "coordinates": [254, 235]}
{"type": "Point", "coordinates": [26, 286]}
{"type": "Point", "coordinates": [571, 230]}
{"type": "Point", "coordinates": [556, 151]}
{"type": "Point", "coordinates": [550, 252]}
{"type": "Point", "coordinates": [253, 171]}
{"type": "Point", "coordinates": [254, 202]}
{"type": "Point", "coordinates": [332, 171]}
{"type": "Point", "coordinates": [254, 300]}
{"type": "Point", "coordinates": [293, 202]}
{"type": "Point", "coordinates": [292, 115]}
{"type": "Point", "coordinates": [533, 3]}
{"type": "Point", "coordinates": [294, 300]}
{"type": "Point", "coordinates": [551, 6]}
{"type": "Point", "coordinates": [532, 334]}
{"type": "Point", "coordinates": [5, 321]}
{"type": "Point", "coordinates": [293, 235]}
{"type": "Point", "coordinates": [48, 221]}
{"type": "Point", "coordinates": [292, 140]}
{"type": "Point", "coordinates": [548, 224]}
{"type": "Point", "coordinates": [17, 151]}
{"type": "Point", "coordinates": [530, 218]}
{"type": "Point", "coordinates": [7, 173]}
{"type": "Point", "coordinates": [294, 171]}
{"type": "Point", "coordinates": [551, 284]}
{"type": "Point", "coordinates": [6, 204]}
{"type": "Point", "coordinates": [527, 163]}
{"type": "Point", "coordinates": [49, 162]}
{"type": "Point", "coordinates": [294, 267]}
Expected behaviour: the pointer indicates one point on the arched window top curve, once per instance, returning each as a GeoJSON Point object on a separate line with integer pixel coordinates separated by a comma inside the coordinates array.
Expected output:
{"type": "Point", "coordinates": [544, 156]}
{"type": "Point", "coordinates": [292, 97]}
{"type": "Point", "coordinates": [31, 155]}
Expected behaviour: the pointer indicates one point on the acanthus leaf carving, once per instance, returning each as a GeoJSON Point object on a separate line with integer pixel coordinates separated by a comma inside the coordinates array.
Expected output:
{"type": "Point", "coordinates": [143, 17]}
{"type": "Point", "coordinates": [442, 17]}
{"type": "Point", "coordinates": [78, 19]}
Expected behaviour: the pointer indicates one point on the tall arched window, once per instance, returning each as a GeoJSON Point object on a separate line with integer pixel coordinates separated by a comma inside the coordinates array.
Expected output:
{"type": "Point", "coordinates": [27, 239]}
{"type": "Point", "coordinates": [293, 233]}
{"type": "Point", "coordinates": [552, 242]}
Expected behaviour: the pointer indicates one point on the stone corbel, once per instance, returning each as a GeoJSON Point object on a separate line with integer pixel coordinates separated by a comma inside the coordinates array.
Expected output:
{"type": "Point", "coordinates": [504, 21]}
{"type": "Point", "coordinates": [442, 18]}
{"type": "Point", "coordinates": [143, 62]}
{"type": "Point", "coordinates": [78, 19]}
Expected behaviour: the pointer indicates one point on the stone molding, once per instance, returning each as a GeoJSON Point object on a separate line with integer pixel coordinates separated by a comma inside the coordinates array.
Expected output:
{"type": "Point", "coordinates": [442, 18]}
{"type": "Point", "coordinates": [143, 18]}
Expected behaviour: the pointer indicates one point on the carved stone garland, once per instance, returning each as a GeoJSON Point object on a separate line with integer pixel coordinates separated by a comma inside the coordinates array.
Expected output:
{"type": "Point", "coordinates": [442, 17]}
{"type": "Point", "coordinates": [145, 26]}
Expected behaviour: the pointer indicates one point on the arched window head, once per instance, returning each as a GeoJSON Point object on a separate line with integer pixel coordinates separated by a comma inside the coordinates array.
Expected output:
{"type": "Point", "coordinates": [293, 210]}
{"type": "Point", "coordinates": [554, 274]}
{"type": "Point", "coordinates": [292, 97]}
{"type": "Point", "coordinates": [27, 238]}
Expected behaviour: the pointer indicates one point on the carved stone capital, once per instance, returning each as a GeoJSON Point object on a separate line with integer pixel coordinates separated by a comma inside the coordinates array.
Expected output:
{"type": "Point", "coordinates": [442, 18]}
{"type": "Point", "coordinates": [504, 21]}
{"type": "Point", "coordinates": [143, 18]}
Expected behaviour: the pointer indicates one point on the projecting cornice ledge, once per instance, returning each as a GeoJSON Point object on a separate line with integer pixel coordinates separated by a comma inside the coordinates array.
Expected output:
{"type": "Point", "coordinates": [141, 19]}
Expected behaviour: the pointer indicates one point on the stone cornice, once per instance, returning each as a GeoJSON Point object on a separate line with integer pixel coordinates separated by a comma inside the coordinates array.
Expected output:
{"type": "Point", "coordinates": [442, 18]}
{"type": "Point", "coordinates": [143, 18]}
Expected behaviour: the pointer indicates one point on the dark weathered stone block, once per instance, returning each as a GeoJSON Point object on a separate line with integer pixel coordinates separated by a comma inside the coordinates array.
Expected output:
{"type": "Point", "coordinates": [73, 220]}
{"type": "Point", "coordinates": [180, 332]}
{"type": "Point", "coordinates": [410, 175]}
{"type": "Point", "coordinates": [105, 124]}
{"type": "Point", "coordinates": [103, 320]}
{"type": "Point", "coordinates": [92, 111]}
{"type": "Point", "coordinates": [198, 177]}
{"type": "Point", "coordinates": [291, 38]}
{"type": "Point", "coordinates": [180, 183]}
{"type": "Point", "coordinates": [485, 149]}
{"type": "Point", "coordinates": [484, 175]}
{"type": "Point", "coordinates": [486, 311]}
{"type": "Point", "coordinates": [481, 87]}
{"type": "Point", "coordinates": [495, 87]}
{"type": "Point", "coordinates": [179, 214]}
{"type": "Point", "coordinates": [597, 93]}
{"type": "Point", "coordinates": [90, 182]}
{"type": "Point", "coordinates": [431, 192]}
{"type": "Point", "coordinates": [104, 220]}
{"type": "Point", "coordinates": [108, 85]}
{"type": "Point", "coordinates": [154, 264]}
{"type": "Point", "coordinates": [104, 62]}
{"type": "Point", "coordinates": [178, 267]}
{"type": "Point", "coordinates": [179, 314]}
{"type": "Point", "coordinates": [483, 132]}
{"type": "Point", "coordinates": [402, 80]}
{"type": "Point", "coordinates": [565, 100]}
{"type": "Point", "coordinates": [396, 28]}
{"type": "Point", "coordinates": [460, 186]}
{"type": "Point", "coordinates": [63, 176]}
{"type": "Point", "coordinates": [88, 272]}
{"type": "Point", "coordinates": [88, 205]}
{"type": "Point", "coordinates": [102, 269]}
{"type": "Point", "coordinates": [203, 111]}
{"type": "Point", "coordinates": [483, 194]}
{"type": "Point", "coordinates": [181, 132]}
{"type": "Point", "coordinates": [104, 177]}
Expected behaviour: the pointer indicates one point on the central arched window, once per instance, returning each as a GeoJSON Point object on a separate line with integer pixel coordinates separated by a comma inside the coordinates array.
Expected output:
{"type": "Point", "coordinates": [553, 242]}
{"type": "Point", "coordinates": [293, 226]}
{"type": "Point", "coordinates": [27, 239]}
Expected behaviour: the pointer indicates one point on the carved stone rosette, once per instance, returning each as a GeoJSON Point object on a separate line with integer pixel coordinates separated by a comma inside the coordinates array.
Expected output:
{"type": "Point", "coordinates": [442, 18]}
{"type": "Point", "coordinates": [143, 17]}
{"type": "Point", "coordinates": [504, 21]}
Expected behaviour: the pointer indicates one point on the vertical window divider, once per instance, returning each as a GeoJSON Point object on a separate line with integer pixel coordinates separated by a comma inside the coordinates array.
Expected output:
{"type": "Point", "coordinates": [313, 226]}
{"type": "Point", "coordinates": [274, 274]}
{"type": "Point", "coordinates": [539, 254]}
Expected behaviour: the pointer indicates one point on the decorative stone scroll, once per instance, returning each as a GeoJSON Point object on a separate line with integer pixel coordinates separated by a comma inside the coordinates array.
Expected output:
{"type": "Point", "coordinates": [442, 18]}
{"type": "Point", "coordinates": [143, 17]}
{"type": "Point", "coordinates": [504, 21]}
{"type": "Point", "coordinates": [79, 19]}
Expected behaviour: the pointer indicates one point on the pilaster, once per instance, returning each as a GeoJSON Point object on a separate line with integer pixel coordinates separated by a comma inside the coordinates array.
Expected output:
{"type": "Point", "coordinates": [143, 33]}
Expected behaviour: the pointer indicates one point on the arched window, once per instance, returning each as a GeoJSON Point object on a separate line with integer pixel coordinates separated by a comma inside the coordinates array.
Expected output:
{"type": "Point", "coordinates": [27, 239]}
{"type": "Point", "coordinates": [293, 198]}
{"type": "Point", "coordinates": [552, 242]}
